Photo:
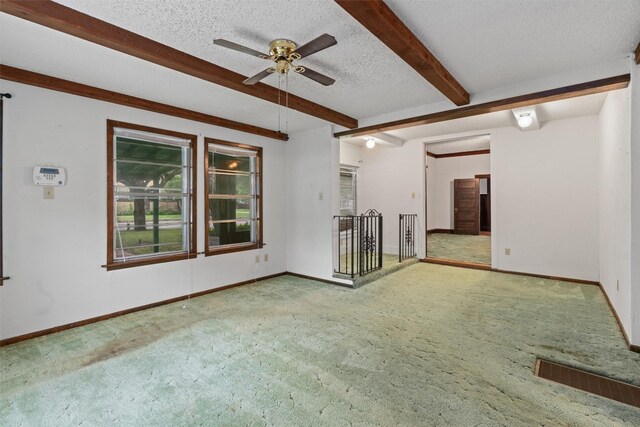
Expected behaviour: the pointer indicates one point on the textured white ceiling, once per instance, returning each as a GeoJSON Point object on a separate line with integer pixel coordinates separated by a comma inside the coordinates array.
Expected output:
{"type": "Point", "coordinates": [33, 47]}
{"type": "Point", "coordinates": [491, 43]}
{"type": "Point", "coordinates": [485, 43]}
{"type": "Point", "coordinates": [370, 79]}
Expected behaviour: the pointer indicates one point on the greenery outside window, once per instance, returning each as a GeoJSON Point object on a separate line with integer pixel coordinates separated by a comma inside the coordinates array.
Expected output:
{"type": "Point", "coordinates": [233, 188]}
{"type": "Point", "coordinates": [151, 208]}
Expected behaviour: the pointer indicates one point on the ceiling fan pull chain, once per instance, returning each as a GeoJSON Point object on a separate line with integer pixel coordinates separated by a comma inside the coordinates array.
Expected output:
{"type": "Point", "coordinates": [286, 108]}
{"type": "Point", "coordinates": [279, 105]}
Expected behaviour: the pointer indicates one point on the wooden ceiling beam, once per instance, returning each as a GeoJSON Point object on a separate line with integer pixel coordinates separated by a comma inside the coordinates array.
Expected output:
{"type": "Point", "coordinates": [78, 24]}
{"type": "Point", "coordinates": [53, 83]}
{"type": "Point", "coordinates": [566, 92]}
{"type": "Point", "coordinates": [380, 20]}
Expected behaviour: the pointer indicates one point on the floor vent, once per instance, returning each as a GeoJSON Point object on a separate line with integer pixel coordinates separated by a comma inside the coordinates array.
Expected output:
{"type": "Point", "coordinates": [596, 384]}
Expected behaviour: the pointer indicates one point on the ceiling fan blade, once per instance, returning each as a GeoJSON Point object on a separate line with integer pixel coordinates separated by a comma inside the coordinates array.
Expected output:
{"type": "Point", "coordinates": [255, 79]}
{"type": "Point", "coordinates": [316, 76]}
{"type": "Point", "coordinates": [316, 45]}
{"type": "Point", "coordinates": [239, 48]}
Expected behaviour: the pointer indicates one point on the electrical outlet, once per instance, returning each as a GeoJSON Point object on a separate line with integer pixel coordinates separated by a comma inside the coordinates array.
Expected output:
{"type": "Point", "coordinates": [257, 259]}
{"type": "Point", "coordinates": [47, 193]}
{"type": "Point", "coordinates": [266, 257]}
{"type": "Point", "coordinates": [507, 251]}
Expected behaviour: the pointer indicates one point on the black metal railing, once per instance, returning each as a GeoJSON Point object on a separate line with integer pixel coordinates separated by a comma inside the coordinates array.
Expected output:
{"type": "Point", "coordinates": [406, 236]}
{"type": "Point", "coordinates": [359, 243]}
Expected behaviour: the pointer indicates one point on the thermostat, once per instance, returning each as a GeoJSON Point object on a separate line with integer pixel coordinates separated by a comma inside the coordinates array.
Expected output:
{"type": "Point", "coordinates": [49, 176]}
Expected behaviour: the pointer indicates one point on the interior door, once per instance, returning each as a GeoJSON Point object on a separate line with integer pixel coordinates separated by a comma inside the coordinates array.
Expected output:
{"type": "Point", "coordinates": [466, 206]}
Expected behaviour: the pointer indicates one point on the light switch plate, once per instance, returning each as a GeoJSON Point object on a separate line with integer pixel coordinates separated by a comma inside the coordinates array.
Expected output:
{"type": "Point", "coordinates": [48, 193]}
{"type": "Point", "coordinates": [507, 251]}
{"type": "Point", "coordinates": [266, 257]}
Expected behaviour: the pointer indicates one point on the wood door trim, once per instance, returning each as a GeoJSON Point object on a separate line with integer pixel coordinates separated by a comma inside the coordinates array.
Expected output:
{"type": "Point", "coordinates": [565, 92]}
{"type": "Point", "coordinates": [81, 25]}
{"type": "Point", "coordinates": [66, 86]}
{"type": "Point", "coordinates": [456, 263]}
{"type": "Point", "coordinates": [440, 230]}
{"type": "Point", "coordinates": [380, 20]}
{"type": "Point", "coordinates": [462, 153]}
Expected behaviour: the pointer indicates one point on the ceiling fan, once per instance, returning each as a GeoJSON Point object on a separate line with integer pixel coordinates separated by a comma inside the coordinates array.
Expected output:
{"type": "Point", "coordinates": [284, 52]}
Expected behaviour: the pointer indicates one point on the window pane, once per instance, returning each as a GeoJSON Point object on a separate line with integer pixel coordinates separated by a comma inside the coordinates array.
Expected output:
{"type": "Point", "coordinates": [230, 184]}
{"type": "Point", "coordinates": [153, 152]}
{"type": "Point", "coordinates": [231, 163]}
{"type": "Point", "coordinates": [231, 233]}
{"type": "Point", "coordinates": [136, 233]}
{"type": "Point", "coordinates": [229, 209]}
{"type": "Point", "coordinates": [146, 175]}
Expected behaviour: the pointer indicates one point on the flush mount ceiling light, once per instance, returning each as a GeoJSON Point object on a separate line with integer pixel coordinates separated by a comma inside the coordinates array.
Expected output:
{"type": "Point", "coordinates": [526, 118]}
{"type": "Point", "coordinates": [371, 142]}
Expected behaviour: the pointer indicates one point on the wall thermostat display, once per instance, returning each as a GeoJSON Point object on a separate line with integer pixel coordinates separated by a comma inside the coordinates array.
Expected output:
{"type": "Point", "coordinates": [49, 176]}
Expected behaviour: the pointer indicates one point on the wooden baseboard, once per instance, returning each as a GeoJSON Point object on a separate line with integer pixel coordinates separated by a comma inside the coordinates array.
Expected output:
{"type": "Point", "coordinates": [544, 276]}
{"type": "Point", "coordinates": [632, 347]}
{"type": "Point", "coordinates": [454, 263]}
{"type": "Point", "coordinates": [331, 282]}
{"type": "Point", "coordinates": [13, 340]}
{"type": "Point", "coordinates": [440, 230]}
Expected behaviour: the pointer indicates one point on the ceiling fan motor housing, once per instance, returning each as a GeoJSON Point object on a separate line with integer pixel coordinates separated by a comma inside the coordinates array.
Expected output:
{"type": "Point", "coordinates": [282, 53]}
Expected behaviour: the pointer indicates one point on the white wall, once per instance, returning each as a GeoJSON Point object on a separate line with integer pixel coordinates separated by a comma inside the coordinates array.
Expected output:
{"type": "Point", "coordinates": [53, 249]}
{"type": "Point", "coordinates": [312, 159]}
{"type": "Point", "coordinates": [634, 335]}
{"type": "Point", "coordinates": [393, 183]}
{"type": "Point", "coordinates": [448, 169]}
{"type": "Point", "coordinates": [545, 199]}
{"type": "Point", "coordinates": [615, 202]}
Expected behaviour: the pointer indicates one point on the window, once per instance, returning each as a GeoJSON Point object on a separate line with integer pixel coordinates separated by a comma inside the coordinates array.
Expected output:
{"type": "Point", "coordinates": [347, 191]}
{"type": "Point", "coordinates": [234, 196]}
{"type": "Point", "coordinates": [151, 208]}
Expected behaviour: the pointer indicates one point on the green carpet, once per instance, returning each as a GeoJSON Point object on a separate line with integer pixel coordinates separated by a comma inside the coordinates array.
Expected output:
{"type": "Point", "coordinates": [427, 345]}
{"type": "Point", "coordinates": [459, 247]}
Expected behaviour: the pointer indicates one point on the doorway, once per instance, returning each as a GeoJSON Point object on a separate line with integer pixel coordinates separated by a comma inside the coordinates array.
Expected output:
{"type": "Point", "coordinates": [458, 201]}
{"type": "Point", "coordinates": [485, 204]}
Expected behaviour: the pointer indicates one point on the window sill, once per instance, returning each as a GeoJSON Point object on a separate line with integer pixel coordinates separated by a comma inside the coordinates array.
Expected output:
{"type": "Point", "coordinates": [148, 261]}
{"type": "Point", "coordinates": [232, 248]}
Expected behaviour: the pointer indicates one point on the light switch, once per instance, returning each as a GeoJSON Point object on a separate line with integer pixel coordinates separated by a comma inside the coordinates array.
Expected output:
{"type": "Point", "coordinates": [507, 251]}
{"type": "Point", "coordinates": [413, 195]}
{"type": "Point", "coordinates": [257, 259]}
{"type": "Point", "coordinates": [266, 257]}
{"type": "Point", "coordinates": [47, 192]}
{"type": "Point", "coordinates": [321, 196]}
